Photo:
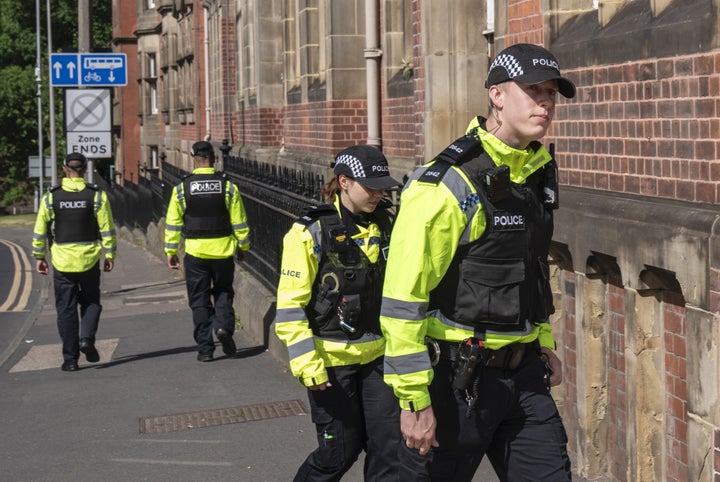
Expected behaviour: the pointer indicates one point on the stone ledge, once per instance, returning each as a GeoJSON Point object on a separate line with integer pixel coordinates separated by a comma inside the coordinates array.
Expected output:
{"type": "Point", "coordinates": [641, 232]}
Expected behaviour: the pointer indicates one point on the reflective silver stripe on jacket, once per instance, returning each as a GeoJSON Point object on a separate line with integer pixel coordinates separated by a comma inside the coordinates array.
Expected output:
{"type": "Point", "coordinates": [301, 348]}
{"type": "Point", "coordinates": [284, 315]}
{"type": "Point", "coordinates": [316, 232]}
{"type": "Point", "coordinates": [403, 310]}
{"type": "Point", "coordinates": [468, 201]}
{"type": "Point", "coordinates": [407, 364]}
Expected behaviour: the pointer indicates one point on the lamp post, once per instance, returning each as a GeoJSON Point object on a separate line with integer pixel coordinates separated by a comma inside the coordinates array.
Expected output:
{"type": "Point", "coordinates": [38, 80]}
{"type": "Point", "coordinates": [51, 98]}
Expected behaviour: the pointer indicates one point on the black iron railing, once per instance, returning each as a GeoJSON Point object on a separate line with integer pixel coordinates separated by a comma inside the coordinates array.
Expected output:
{"type": "Point", "coordinates": [273, 198]}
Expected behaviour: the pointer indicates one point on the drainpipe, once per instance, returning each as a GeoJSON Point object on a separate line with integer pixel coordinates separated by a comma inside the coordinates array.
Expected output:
{"type": "Point", "coordinates": [373, 54]}
{"type": "Point", "coordinates": [206, 47]}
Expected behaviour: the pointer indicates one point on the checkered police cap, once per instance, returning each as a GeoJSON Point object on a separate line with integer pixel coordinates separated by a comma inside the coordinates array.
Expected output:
{"type": "Point", "coordinates": [366, 165]}
{"type": "Point", "coordinates": [528, 64]}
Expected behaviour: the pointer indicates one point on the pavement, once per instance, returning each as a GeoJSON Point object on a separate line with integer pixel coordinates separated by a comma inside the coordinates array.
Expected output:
{"type": "Point", "coordinates": [148, 411]}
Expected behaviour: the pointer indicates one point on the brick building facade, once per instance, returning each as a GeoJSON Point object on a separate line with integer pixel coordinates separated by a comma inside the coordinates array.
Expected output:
{"type": "Point", "coordinates": [636, 256]}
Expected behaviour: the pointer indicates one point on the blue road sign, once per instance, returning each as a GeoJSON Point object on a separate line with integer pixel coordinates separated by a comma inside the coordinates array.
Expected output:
{"type": "Point", "coordinates": [88, 70]}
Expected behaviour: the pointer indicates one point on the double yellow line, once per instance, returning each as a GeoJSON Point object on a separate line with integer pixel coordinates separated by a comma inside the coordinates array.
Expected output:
{"type": "Point", "coordinates": [21, 288]}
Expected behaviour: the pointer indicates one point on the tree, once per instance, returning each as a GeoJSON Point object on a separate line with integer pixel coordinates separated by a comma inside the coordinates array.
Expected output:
{"type": "Point", "coordinates": [18, 88]}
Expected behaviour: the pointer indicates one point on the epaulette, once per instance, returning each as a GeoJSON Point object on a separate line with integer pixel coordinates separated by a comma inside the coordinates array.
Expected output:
{"type": "Point", "coordinates": [55, 188]}
{"type": "Point", "coordinates": [313, 213]}
{"type": "Point", "coordinates": [94, 187]}
{"type": "Point", "coordinates": [459, 151]}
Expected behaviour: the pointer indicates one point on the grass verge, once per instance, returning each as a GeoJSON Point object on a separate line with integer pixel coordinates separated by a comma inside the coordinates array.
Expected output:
{"type": "Point", "coordinates": [18, 220]}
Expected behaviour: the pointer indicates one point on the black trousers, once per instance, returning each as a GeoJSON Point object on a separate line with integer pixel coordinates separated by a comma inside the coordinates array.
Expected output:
{"type": "Point", "coordinates": [210, 292]}
{"type": "Point", "coordinates": [359, 412]}
{"type": "Point", "coordinates": [514, 421]}
{"type": "Point", "coordinates": [73, 290]}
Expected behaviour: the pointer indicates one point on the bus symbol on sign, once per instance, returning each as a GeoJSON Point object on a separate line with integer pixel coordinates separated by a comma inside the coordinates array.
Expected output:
{"type": "Point", "coordinates": [98, 70]}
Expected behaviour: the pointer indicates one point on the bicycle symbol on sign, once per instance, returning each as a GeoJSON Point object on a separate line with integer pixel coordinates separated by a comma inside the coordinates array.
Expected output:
{"type": "Point", "coordinates": [92, 77]}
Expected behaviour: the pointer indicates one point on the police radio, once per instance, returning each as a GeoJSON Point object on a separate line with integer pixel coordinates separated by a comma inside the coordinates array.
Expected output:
{"type": "Point", "coordinates": [550, 181]}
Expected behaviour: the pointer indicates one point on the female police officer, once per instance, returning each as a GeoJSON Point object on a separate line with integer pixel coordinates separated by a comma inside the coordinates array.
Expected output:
{"type": "Point", "coordinates": [328, 306]}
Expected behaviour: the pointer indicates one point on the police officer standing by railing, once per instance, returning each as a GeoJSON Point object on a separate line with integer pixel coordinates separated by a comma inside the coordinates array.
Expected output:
{"type": "Point", "coordinates": [206, 209]}
{"type": "Point", "coordinates": [468, 279]}
{"type": "Point", "coordinates": [328, 305]}
{"type": "Point", "coordinates": [76, 220]}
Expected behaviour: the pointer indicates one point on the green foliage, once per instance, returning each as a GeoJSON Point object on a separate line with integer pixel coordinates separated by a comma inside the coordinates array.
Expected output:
{"type": "Point", "coordinates": [18, 86]}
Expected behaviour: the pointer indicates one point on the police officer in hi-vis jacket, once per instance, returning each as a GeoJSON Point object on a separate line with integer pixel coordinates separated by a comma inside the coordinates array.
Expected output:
{"type": "Point", "coordinates": [468, 280]}
{"type": "Point", "coordinates": [76, 219]}
{"type": "Point", "coordinates": [207, 211]}
{"type": "Point", "coordinates": [328, 304]}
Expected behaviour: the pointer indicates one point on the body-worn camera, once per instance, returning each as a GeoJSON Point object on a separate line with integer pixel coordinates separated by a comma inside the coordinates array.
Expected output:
{"type": "Point", "coordinates": [497, 183]}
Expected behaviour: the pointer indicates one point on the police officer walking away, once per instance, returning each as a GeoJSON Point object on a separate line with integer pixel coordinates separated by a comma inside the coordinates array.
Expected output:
{"type": "Point", "coordinates": [76, 220]}
{"type": "Point", "coordinates": [328, 305]}
{"type": "Point", "coordinates": [207, 211]}
{"type": "Point", "coordinates": [468, 278]}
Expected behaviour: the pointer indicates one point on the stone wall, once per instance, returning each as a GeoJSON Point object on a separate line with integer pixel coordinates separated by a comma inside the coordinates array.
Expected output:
{"type": "Point", "coordinates": [640, 397]}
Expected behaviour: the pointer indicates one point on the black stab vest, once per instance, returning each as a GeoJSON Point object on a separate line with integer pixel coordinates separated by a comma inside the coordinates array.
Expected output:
{"type": "Point", "coordinates": [345, 272]}
{"type": "Point", "coordinates": [500, 281]}
{"type": "Point", "coordinates": [75, 220]}
{"type": "Point", "coordinates": [206, 214]}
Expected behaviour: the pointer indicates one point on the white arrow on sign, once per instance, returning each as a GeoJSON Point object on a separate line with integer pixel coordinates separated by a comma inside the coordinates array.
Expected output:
{"type": "Point", "coordinates": [58, 67]}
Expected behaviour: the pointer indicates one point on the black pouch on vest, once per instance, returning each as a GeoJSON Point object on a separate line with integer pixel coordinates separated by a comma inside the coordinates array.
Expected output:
{"type": "Point", "coordinates": [327, 296]}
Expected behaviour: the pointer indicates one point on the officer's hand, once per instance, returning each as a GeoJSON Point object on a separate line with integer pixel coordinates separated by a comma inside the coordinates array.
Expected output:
{"type": "Point", "coordinates": [41, 266]}
{"type": "Point", "coordinates": [173, 261]}
{"type": "Point", "coordinates": [552, 361]}
{"type": "Point", "coordinates": [321, 387]}
{"type": "Point", "coordinates": [418, 429]}
{"type": "Point", "coordinates": [108, 266]}
{"type": "Point", "coordinates": [240, 255]}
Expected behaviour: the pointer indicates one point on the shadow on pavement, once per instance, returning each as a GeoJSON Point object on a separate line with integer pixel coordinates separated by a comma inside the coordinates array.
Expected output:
{"type": "Point", "coordinates": [143, 356]}
{"type": "Point", "coordinates": [250, 351]}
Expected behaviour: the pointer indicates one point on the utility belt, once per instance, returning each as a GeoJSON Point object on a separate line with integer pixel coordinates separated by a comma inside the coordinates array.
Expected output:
{"type": "Point", "coordinates": [470, 354]}
{"type": "Point", "coordinates": [507, 357]}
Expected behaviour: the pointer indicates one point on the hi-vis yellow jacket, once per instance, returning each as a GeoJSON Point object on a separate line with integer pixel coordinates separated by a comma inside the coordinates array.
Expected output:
{"type": "Point", "coordinates": [207, 248]}
{"type": "Point", "coordinates": [433, 221]}
{"type": "Point", "coordinates": [309, 355]}
{"type": "Point", "coordinates": [75, 257]}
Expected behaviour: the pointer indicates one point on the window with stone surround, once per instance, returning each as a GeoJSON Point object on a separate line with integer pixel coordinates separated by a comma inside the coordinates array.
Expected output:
{"type": "Point", "coordinates": [151, 81]}
{"type": "Point", "coordinates": [246, 75]}
{"type": "Point", "coordinates": [304, 80]}
{"type": "Point", "coordinates": [183, 64]}
{"type": "Point", "coordinates": [291, 60]}
{"type": "Point", "coordinates": [399, 62]}
{"type": "Point", "coordinates": [240, 66]}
